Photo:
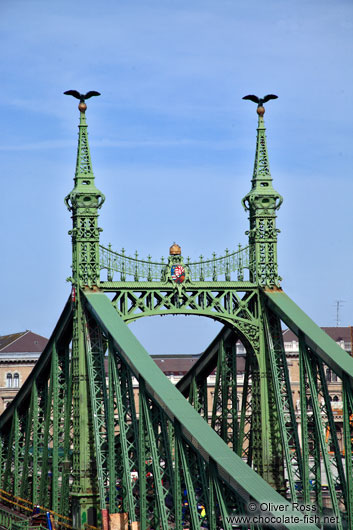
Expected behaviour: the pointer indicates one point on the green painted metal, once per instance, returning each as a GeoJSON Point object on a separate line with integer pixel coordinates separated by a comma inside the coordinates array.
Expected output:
{"type": "Point", "coordinates": [284, 404]}
{"type": "Point", "coordinates": [224, 413]}
{"type": "Point", "coordinates": [348, 446]}
{"type": "Point", "coordinates": [16, 467]}
{"type": "Point", "coordinates": [320, 435]}
{"type": "Point", "coordinates": [231, 264]}
{"type": "Point", "coordinates": [244, 448]}
{"type": "Point", "coordinates": [34, 441]}
{"type": "Point", "coordinates": [328, 418]}
{"type": "Point", "coordinates": [145, 417]}
{"type": "Point", "coordinates": [98, 402]}
{"type": "Point", "coordinates": [12, 521]}
{"type": "Point", "coordinates": [194, 517]}
{"type": "Point", "coordinates": [262, 202]}
{"type": "Point", "coordinates": [177, 487]}
{"type": "Point", "coordinates": [84, 202]}
{"type": "Point", "coordinates": [56, 410]}
{"type": "Point", "coordinates": [128, 448]}
{"type": "Point", "coordinates": [6, 484]}
{"type": "Point", "coordinates": [304, 422]}
{"type": "Point", "coordinates": [66, 387]}
{"type": "Point", "coordinates": [46, 428]}
{"type": "Point", "coordinates": [142, 469]}
{"type": "Point", "coordinates": [194, 430]}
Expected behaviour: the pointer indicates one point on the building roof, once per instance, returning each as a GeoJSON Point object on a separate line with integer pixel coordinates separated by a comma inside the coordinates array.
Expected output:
{"type": "Point", "coordinates": [336, 333]}
{"type": "Point", "coordinates": [22, 342]}
{"type": "Point", "coordinates": [175, 364]}
{"type": "Point", "coordinates": [181, 364]}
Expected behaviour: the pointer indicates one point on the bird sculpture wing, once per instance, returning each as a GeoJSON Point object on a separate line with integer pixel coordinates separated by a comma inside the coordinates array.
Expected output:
{"type": "Point", "coordinates": [255, 99]}
{"type": "Point", "coordinates": [90, 94]}
{"type": "Point", "coordinates": [268, 97]}
{"type": "Point", "coordinates": [73, 93]}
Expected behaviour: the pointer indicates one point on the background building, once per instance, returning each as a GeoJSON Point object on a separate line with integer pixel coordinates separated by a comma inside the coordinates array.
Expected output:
{"type": "Point", "coordinates": [18, 354]}
{"type": "Point", "coordinates": [20, 351]}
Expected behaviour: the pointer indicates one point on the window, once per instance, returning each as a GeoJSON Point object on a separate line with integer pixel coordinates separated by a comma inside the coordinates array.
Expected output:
{"type": "Point", "coordinates": [331, 377]}
{"type": "Point", "coordinates": [9, 380]}
{"type": "Point", "coordinates": [16, 380]}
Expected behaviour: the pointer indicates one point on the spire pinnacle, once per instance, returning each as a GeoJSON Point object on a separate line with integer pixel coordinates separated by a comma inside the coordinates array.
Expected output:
{"type": "Point", "coordinates": [84, 201]}
{"type": "Point", "coordinates": [84, 177]}
{"type": "Point", "coordinates": [261, 180]}
{"type": "Point", "coordinates": [261, 202]}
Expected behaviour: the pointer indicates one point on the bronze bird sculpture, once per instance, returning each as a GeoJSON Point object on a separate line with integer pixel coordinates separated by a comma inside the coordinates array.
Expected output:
{"type": "Point", "coordinates": [260, 102]}
{"type": "Point", "coordinates": [82, 105]}
{"type": "Point", "coordinates": [81, 97]}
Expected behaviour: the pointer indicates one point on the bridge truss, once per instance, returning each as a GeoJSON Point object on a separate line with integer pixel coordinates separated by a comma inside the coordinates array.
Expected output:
{"type": "Point", "coordinates": [97, 432]}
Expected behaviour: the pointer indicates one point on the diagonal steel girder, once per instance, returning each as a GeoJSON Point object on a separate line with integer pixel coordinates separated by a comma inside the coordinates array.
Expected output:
{"type": "Point", "coordinates": [317, 340]}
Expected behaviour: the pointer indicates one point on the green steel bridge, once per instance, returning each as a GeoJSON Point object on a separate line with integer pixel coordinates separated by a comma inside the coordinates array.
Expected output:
{"type": "Point", "coordinates": [79, 443]}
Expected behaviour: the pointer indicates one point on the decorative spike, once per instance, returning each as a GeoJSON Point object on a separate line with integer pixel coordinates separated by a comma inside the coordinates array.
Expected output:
{"type": "Point", "coordinates": [136, 275]}
{"type": "Point", "coordinates": [149, 276]}
{"type": "Point", "coordinates": [109, 270]}
{"type": "Point", "coordinates": [163, 270]}
{"type": "Point", "coordinates": [123, 266]}
{"type": "Point", "coordinates": [227, 272]}
{"type": "Point", "coordinates": [214, 277]}
{"type": "Point", "coordinates": [240, 274]}
{"type": "Point", "coordinates": [261, 164]}
{"type": "Point", "coordinates": [202, 278]}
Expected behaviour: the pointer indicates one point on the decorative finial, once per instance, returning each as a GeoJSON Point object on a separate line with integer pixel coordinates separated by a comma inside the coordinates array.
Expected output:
{"type": "Point", "coordinates": [260, 101]}
{"type": "Point", "coordinates": [82, 97]}
{"type": "Point", "coordinates": [175, 250]}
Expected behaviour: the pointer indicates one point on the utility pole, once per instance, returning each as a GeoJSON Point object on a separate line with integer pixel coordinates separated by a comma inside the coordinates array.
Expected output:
{"type": "Point", "coordinates": [339, 304]}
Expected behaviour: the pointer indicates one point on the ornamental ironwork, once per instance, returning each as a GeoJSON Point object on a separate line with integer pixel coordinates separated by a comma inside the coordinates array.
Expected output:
{"type": "Point", "coordinates": [232, 266]}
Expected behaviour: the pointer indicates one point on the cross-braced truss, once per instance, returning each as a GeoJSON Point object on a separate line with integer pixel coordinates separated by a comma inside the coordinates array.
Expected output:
{"type": "Point", "coordinates": [152, 457]}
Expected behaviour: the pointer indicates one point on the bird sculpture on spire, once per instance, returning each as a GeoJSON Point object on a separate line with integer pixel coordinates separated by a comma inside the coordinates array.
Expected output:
{"type": "Point", "coordinates": [82, 97]}
{"type": "Point", "coordinates": [260, 102]}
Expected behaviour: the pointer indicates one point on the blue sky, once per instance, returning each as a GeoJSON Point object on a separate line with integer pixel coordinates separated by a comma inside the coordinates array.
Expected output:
{"type": "Point", "coordinates": [172, 143]}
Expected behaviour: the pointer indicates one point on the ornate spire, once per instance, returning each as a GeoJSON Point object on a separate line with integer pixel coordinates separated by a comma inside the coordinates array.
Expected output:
{"type": "Point", "coordinates": [261, 180]}
{"type": "Point", "coordinates": [83, 161]}
{"type": "Point", "coordinates": [261, 202]}
{"type": "Point", "coordinates": [84, 201]}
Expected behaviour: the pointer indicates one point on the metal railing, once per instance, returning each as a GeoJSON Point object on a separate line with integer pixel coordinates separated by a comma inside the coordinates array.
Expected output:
{"type": "Point", "coordinates": [231, 266]}
{"type": "Point", "coordinates": [22, 507]}
{"type": "Point", "coordinates": [11, 521]}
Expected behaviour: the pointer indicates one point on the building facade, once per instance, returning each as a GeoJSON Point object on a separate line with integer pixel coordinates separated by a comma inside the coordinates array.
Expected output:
{"type": "Point", "coordinates": [18, 354]}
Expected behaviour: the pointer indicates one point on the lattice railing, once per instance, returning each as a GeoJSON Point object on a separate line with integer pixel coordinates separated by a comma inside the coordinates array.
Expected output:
{"type": "Point", "coordinates": [231, 266]}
